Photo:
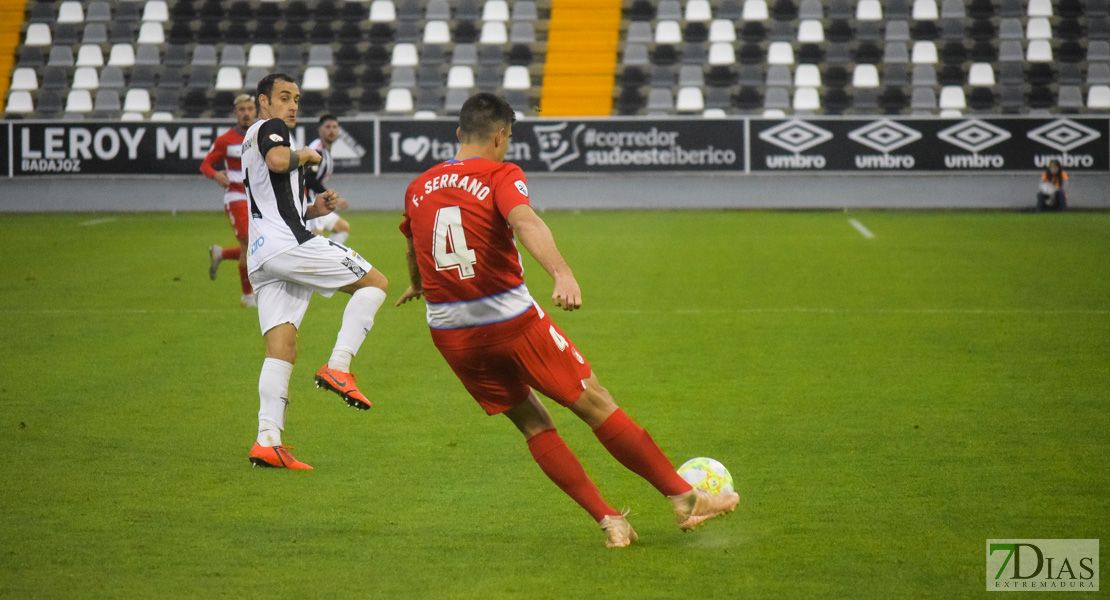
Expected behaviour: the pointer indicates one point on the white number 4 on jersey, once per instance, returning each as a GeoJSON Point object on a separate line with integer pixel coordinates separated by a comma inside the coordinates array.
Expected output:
{"type": "Point", "coordinates": [451, 251]}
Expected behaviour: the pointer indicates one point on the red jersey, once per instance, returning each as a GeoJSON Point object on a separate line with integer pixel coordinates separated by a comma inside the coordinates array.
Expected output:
{"type": "Point", "coordinates": [455, 214]}
{"type": "Point", "coordinates": [229, 149]}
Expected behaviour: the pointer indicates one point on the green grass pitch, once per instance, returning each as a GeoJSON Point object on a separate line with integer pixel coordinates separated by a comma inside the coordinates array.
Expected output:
{"type": "Point", "coordinates": [885, 405]}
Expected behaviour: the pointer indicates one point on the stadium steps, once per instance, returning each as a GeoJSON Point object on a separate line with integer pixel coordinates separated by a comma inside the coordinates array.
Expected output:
{"type": "Point", "coordinates": [581, 58]}
{"type": "Point", "coordinates": [11, 24]}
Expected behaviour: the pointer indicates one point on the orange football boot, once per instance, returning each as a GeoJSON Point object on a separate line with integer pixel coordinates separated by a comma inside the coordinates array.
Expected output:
{"type": "Point", "coordinates": [343, 384]}
{"type": "Point", "coordinates": [275, 457]}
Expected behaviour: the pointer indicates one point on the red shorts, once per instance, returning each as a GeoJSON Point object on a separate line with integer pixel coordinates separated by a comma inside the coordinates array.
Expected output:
{"type": "Point", "coordinates": [237, 214]}
{"type": "Point", "coordinates": [500, 376]}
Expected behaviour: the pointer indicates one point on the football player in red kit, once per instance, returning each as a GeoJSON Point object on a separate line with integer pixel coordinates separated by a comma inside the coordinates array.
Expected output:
{"type": "Point", "coordinates": [228, 149]}
{"type": "Point", "coordinates": [460, 220]}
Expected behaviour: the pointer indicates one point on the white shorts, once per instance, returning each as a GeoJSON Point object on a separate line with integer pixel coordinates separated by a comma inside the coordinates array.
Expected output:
{"type": "Point", "coordinates": [284, 283]}
{"type": "Point", "coordinates": [324, 223]}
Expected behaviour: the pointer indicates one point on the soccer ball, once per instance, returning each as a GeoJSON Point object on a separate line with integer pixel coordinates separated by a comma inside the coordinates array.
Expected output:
{"type": "Point", "coordinates": [707, 474]}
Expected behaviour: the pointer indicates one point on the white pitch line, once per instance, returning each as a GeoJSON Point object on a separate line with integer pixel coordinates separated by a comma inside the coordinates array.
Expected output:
{"type": "Point", "coordinates": [99, 221]}
{"type": "Point", "coordinates": [865, 232]}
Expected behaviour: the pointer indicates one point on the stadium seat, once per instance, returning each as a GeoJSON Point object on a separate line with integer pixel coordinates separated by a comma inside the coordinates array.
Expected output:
{"type": "Point", "coordinates": [95, 33]}
{"type": "Point", "coordinates": [981, 74]}
{"type": "Point", "coordinates": [437, 32]}
{"type": "Point", "coordinates": [320, 55]}
{"type": "Point", "coordinates": [869, 10]}
{"type": "Point", "coordinates": [1098, 97]}
{"type": "Point", "coordinates": [807, 75]}
{"type": "Point", "coordinates": [1070, 99]}
{"type": "Point", "coordinates": [1039, 51]}
{"type": "Point", "coordinates": [261, 55]}
{"type": "Point", "coordinates": [524, 10]}
{"type": "Point", "coordinates": [981, 99]}
{"type": "Point", "coordinates": [722, 30]}
{"type": "Point", "coordinates": [60, 56]}
{"type": "Point", "coordinates": [896, 53]}
{"type": "Point", "coordinates": [811, 31]}
{"type": "Point", "coordinates": [698, 10]}
{"type": "Point", "coordinates": [78, 102]}
{"type": "Point", "coordinates": [780, 53]}
{"type": "Point", "coordinates": [689, 99]}
{"type": "Point", "coordinates": [756, 10]}
{"type": "Point", "coordinates": [49, 104]}
{"type": "Point", "coordinates": [865, 76]}
{"type": "Point", "coordinates": [90, 55]}
{"type": "Point", "coordinates": [38, 34]}
{"type": "Point", "coordinates": [776, 98]}
{"type": "Point", "coordinates": [953, 9]}
{"type": "Point", "coordinates": [122, 55]}
{"type": "Point", "coordinates": [85, 78]}
{"type": "Point", "coordinates": [204, 55]}
{"type": "Point", "coordinates": [106, 104]}
{"type": "Point", "coordinates": [1040, 8]}
{"type": "Point", "coordinates": [315, 78]}
{"type": "Point", "coordinates": [836, 101]}
{"type": "Point", "coordinates": [229, 78]}
{"type": "Point", "coordinates": [402, 77]}
{"type": "Point", "coordinates": [806, 99]}
{"type": "Point", "coordinates": [55, 78]}
{"type": "Point", "coordinates": [71, 11]}
{"type": "Point", "coordinates": [722, 53]}
{"type": "Point", "coordinates": [924, 100]}
{"type": "Point", "coordinates": [20, 103]}
{"type": "Point", "coordinates": [779, 76]}
{"type": "Point", "coordinates": [24, 78]}
{"type": "Point", "coordinates": [925, 10]}
{"type": "Point", "coordinates": [1098, 74]}
{"type": "Point", "coordinates": [404, 55]}
{"type": "Point", "coordinates": [151, 33]}
{"type": "Point", "coordinates": [924, 53]}
{"type": "Point", "coordinates": [667, 32]}
{"type": "Point", "coordinates": [1098, 51]}
{"type": "Point", "coordinates": [399, 100]}
{"type": "Point", "coordinates": [495, 10]}
{"type": "Point", "coordinates": [952, 30]}
{"type": "Point", "coordinates": [112, 78]}
{"type": "Point", "coordinates": [952, 98]}
{"type": "Point", "coordinates": [897, 31]}
{"type": "Point", "coordinates": [516, 78]}
{"type": "Point", "coordinates": [156, 10]}
{"type": "Point", "coordinates": [494, 32]}
{"type": "Point", "coordinates": [981, 9]}
{"type": "Point", "coordinates": [660, 101]}
{"type": "Point", "coordinates": [1038, 28]}
{"type": "Point", "coordinates": [460, 77]}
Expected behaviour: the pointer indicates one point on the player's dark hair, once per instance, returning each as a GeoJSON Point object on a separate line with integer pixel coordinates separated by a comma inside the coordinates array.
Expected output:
{"type": "Point", "coordinates": [1056, 178]}
{"type": "Point", "coordinates": [266, 84]}
{"type": "Point", "coordinates": [483, 114]}
{"type": "Point", "coordinates": [324, 118]}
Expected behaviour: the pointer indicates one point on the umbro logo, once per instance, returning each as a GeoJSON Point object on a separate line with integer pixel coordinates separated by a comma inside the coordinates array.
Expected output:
{"type": "Point", "coordinates": [884, 135]}
{"type": "Point", "coordinates": [974, 135]}
{"type": "Point", "coordinates": [1064, 135]}
{"type": "Point", "coordinates": [796, 136]}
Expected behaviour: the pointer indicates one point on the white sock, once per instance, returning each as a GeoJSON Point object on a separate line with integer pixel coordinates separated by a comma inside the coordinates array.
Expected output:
{"type": "Point", "coordinates": [273, 398]}
{"type": "Point", "coordinates": [358, 318]}
{"type": "Point", "coordinates": [339, 236]}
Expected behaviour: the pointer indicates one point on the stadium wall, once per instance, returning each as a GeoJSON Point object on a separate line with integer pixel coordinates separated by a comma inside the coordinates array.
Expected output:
{"type": "Point", "coordinates": [816, 163]}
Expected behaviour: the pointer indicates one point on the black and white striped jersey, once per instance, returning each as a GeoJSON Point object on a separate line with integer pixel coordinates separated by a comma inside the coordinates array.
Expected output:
{"type": "Point", "coordinates": [277, 200]}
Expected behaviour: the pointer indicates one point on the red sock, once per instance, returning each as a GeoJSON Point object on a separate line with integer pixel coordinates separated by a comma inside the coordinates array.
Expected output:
{"type": "Point", "coordinates": [231, 253]}
{"type": "Point", "coordinates": [244, 281]}
{"type": "Point", "coordinates": [634, 448]}
{"type": "Point", "coordinates": [561, 466]}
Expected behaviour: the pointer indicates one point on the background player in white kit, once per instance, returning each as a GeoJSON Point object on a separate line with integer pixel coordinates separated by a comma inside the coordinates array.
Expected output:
{"type": "Point", "coordinates": [287, 264]}
{"type": "Point", "coordinates": [316, 180]}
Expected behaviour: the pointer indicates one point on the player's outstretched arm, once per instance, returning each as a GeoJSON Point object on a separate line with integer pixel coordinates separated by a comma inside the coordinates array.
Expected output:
{"type": "Point", "coordinates": [416, 287]}
{"type": "Point", "coordinates": [536, 237]}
